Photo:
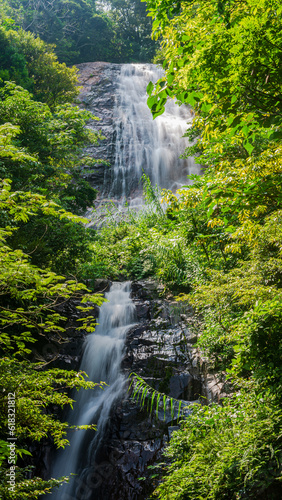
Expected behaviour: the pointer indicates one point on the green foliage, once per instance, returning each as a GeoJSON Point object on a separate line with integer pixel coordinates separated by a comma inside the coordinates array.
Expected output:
{"type": "Point", "coordinates": [52, 142]}
{"type": "Point", "coordinates": [132, 29]}
{"type": "Point", "coordinates": [30, 302]}
{"type": "Point", "coordinates": [41, 153]}
{"type": "Point", "coordinates": [218, 241]}
{"type": "Point", "coordinates": [229, 72]}
{"type": "Point", "coordinates": [87, 30]}
{"type": "Point", "coordinates": [145, 244]}
{"type": "Point", "coordinates": [29, 62]}
{"type": "Point", "coordinates": [27, 147]}
{"type": "Point", "coordinates": [58, 245]}
{"type": "Point", "coordinates": [222, 58]}
{"type": "Point", "coordinates": [240, 205]}
{"type": "Point", "coordinates": [30, 295]}
{"type": "Point", "coordinates": [37, 393]}
{"type": "Point", "coordinates": [13, 65]}
{"type": "Point", "coordinates": [154, 400]}
{"type": "Point", "coordinates": [29, 488]}
{"type": "Point", "coordinates": [76, 28]}
{"type": "Point", "coordinates": [227, 452]}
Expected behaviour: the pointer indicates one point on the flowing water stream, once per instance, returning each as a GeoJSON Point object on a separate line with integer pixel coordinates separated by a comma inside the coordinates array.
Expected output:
{"type": "Point", "coordinates": [103, 352]}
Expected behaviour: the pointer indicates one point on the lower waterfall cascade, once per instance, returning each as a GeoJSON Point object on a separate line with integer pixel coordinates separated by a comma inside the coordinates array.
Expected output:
{"type": "Point", "coordinates": [103, 352]}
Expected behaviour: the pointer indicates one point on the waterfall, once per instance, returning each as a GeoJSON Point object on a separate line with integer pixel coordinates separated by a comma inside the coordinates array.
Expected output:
{"type": "Point", "coordinates": [103, 352]}
{"type": "Point", "coordinates": [143, 144]}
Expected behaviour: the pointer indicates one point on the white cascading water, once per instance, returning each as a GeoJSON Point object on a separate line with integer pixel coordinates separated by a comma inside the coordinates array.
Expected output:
{"type": "Point", "coordinates": [144, 144]}
{"type": "Point", "coordinates": [103, 352]}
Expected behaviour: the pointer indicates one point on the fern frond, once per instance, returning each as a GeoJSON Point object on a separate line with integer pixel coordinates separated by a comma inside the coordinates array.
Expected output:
{"type": "Point", "coordinates": [144, 391]}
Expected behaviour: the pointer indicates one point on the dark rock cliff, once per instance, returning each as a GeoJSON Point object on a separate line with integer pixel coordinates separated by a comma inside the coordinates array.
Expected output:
{"type": "Point", "coordinates": [161, 349]}
{"type": "Point", "coordinates": [98, 94]}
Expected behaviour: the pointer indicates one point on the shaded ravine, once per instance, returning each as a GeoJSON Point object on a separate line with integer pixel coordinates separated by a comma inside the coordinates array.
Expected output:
{"type": "Point", "coordinates": [103, 352]}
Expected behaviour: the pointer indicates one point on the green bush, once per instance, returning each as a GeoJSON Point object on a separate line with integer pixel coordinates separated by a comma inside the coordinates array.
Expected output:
{"type": "Point", "coordinates": [227, 452]}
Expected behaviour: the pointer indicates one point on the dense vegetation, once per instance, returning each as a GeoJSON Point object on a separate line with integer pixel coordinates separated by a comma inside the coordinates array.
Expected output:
{"type": "Point", "coordinates": [216, 245]}
{"type": "Point", "coordinates": [87, 30]}
{"type": "Point", "coordinates": [43, 243]}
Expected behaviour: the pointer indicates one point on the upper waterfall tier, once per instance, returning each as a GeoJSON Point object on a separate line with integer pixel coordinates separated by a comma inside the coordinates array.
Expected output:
{"type": "Point", "coordinates": [135, 143]}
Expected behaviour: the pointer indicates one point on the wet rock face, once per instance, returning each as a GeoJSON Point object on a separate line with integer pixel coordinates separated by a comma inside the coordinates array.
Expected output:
{"type": "Point", "coordinates": [161, 349]}
{"type": "Point", "coordinates": [132, 443]}
{"type": "Point", "coordinates": [98, 94]}
{"type": "Point", "coordinates": [134, 143]}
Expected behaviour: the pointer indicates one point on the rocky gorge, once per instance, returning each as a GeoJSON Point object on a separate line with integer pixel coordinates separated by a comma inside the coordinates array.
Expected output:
{"type": "Point", "coordinates": [160, 348]}
{"type": "Point", "coordinates": [171, 387]}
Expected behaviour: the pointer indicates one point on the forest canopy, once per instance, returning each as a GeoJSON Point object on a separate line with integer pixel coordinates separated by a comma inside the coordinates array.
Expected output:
{"type": "Point", "coordinates": [87, 30]}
